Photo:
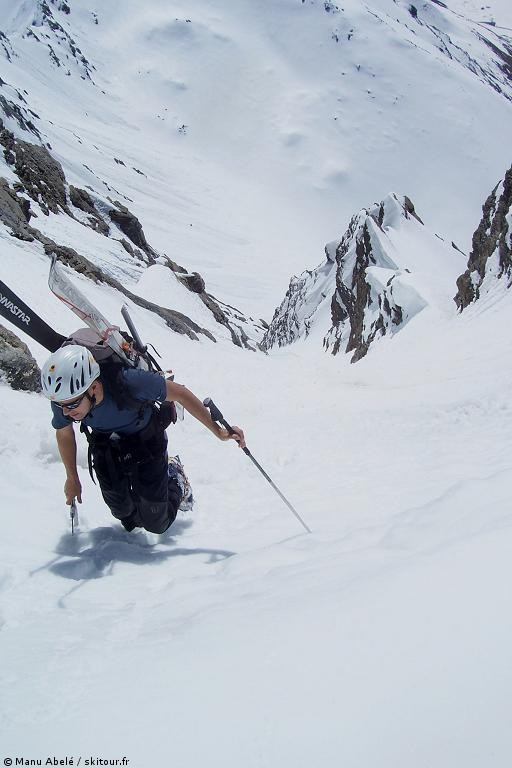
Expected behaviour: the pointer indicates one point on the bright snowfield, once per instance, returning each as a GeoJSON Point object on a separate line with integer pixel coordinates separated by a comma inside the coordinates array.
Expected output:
{"type": "Point", "coordinates": [261, 128]}
{"type": "Point", "coordinates": [382, 639]}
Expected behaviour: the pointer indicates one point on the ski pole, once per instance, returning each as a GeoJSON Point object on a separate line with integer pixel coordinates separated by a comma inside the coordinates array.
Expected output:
{"type": "Point", "coordinates": [217, 416]}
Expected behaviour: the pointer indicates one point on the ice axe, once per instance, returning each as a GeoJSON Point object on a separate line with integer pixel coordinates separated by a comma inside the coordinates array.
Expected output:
{"type": "Point", "coordinates": [73, 515]}
{"type": "Point", "coordinates": [217, 416]}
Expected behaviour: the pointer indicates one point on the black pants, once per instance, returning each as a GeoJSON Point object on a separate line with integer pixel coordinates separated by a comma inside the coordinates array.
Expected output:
{"type": "Point", "coordinates": [134, 482]}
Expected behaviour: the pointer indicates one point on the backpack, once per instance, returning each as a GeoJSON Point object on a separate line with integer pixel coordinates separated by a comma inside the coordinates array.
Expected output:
{"type": "Point", "coordinates": [111, 370]}
{"type": "Point", "coordinates": [112, 367]}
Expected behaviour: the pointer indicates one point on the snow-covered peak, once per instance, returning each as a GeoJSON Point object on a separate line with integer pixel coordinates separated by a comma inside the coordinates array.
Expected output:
{"type": "Point", "coordinates": [387, 268]}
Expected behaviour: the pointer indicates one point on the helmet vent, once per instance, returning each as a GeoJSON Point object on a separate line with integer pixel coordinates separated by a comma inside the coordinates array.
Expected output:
{"type": "Point", "coordinates": [69, 372]}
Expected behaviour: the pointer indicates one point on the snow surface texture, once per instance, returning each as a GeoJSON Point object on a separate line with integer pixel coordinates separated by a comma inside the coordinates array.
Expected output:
{"type": "Point", "coordinates": [383, 638]}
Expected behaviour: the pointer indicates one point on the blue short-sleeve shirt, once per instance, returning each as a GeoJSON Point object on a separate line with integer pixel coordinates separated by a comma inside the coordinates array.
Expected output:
{"type": "Point", "coordinates": [108, 417]}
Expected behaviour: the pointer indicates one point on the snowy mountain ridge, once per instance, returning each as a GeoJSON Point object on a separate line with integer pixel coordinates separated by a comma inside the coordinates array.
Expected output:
{"type": "Point", "coordinates": [321, 69]}
{"type": "Point", "coordinates": [386, 268]}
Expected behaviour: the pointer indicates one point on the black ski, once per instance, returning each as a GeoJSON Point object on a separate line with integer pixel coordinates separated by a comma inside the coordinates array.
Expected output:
{"type": "Point", "coordinates": [24, 318]}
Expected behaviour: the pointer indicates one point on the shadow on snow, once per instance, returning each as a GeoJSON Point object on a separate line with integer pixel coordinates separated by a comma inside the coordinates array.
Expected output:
{"type": "Point", "coordinates": [93, 554]}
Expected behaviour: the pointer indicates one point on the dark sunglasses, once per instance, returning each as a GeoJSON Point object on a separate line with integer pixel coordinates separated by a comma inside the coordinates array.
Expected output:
{"type": "Point", "coordinates": [73, 405]}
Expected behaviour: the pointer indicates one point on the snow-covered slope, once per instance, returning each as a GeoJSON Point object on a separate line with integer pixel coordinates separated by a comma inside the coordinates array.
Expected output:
{"type": "Point", "coordinates": [243, 136]}
{"type": "Point", "coordinates": [381, 639]}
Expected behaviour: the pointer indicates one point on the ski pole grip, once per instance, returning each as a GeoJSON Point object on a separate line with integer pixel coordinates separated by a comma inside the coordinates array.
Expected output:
{"type": "Point", "coordinates": [216, 414]}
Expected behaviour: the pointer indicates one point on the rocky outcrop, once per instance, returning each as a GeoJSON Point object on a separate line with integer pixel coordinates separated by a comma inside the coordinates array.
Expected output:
{"type": "Point", "coordinates": [82, 200]}
{"type": "Point", "coordinates": [97, 215]}
{"type": "Point", "coordinates": [71, 258]}
{"type": "Point", "coordinates": [238, 325]}
{"type": "Point", "coordinates": [41, 176]}
{"type": "Point", "coordinates": [176, 321]}
{"type": "Point", "coordinates": [15, 212]}
{"type": "Point", "coordinates": [229, 317]}
{"type": "Point", "coordinates": [232, 319]}
{"type": "Point", "coordinates": [132, 251]}
{"type": "Point", "coordinates": [368, 286]}
{"type": "Point", "coordinates": [364, 305]}
{"type": "Point", "coordinates": [17, 366]}
{"type": "Point", "coordinates": [491, 255]}
{"type": "Point", "coordinates": [18, 114]}
{"type": "Point", "coordinates": [129, 224]}
{"type": "Point", "coordinates": [194, 282]}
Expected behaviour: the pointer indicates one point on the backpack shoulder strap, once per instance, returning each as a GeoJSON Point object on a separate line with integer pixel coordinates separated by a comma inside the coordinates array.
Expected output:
{"type": "Point", "coordinates": [87, 431]}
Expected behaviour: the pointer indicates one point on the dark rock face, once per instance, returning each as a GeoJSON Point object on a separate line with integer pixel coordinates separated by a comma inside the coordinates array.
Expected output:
{"type": "Point", "coordinates": [128, 248]}
{"type": "Point", "coordinates": [62, 6]}
{"type": "Point", "coordinates": [491, 254]}
{"type": "Point", "coordinates": [71, 258]}
{"type": "Point", "coordinates": [82, 200]}
{"type": "Point", "coordinates": [354, 301]}
{"type": "Point", "coordinates": [130, 226]}
{"type": "Point", "coordinates": [193, 282]}
{"type": "Point", "coordinates": [14, 111]}
{"type": "Point", "coordinates": [41, 175]}
{"type": "Point", "coordinates": [17, 366]}
{"type": "Point", "coordinates": [227, 316]}
{"type": "Point", "coordinates": [15, 212]}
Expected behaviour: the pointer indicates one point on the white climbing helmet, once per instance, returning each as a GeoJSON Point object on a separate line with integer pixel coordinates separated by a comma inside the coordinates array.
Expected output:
{"type": "Point", "coordinates": [68, 373]}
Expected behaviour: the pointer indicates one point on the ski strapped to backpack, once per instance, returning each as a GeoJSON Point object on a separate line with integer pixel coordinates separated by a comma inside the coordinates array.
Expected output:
{"type": "Point", "coordinates": [19, 314]}
{"type": "Point", "coordinates": [130, 351]}
{"type": "Point", "coordinates": [60, 284]}
{"type": "Point", "coordinates": [107, 337]}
